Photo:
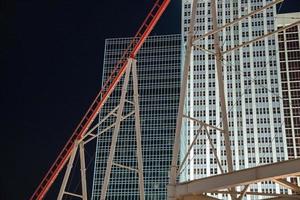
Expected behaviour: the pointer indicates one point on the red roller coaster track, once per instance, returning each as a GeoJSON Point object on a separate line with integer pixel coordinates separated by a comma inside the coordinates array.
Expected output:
{"type": "Point", "coordinates": [107, 88]}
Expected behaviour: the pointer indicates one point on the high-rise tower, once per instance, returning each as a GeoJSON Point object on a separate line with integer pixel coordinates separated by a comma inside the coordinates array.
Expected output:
{"type": "Point", "coordinates": [158, 66]}
{"type": "Point", "coordinates": [252, 88]}
{"type": "Point", "coordinates": [289, 48]}
{"type": "Point", "coordinates": [289, 51]}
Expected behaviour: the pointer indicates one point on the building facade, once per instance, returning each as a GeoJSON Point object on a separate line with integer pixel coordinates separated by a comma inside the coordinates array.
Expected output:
{"type": "Point", "coordinates": [252, 85]}
{"type": "Point", "coordinates": [289, 48]}
{"type": "Point", "coordinates": [158, 66]}
{"type": "Point", "coordinates": [289, 51]}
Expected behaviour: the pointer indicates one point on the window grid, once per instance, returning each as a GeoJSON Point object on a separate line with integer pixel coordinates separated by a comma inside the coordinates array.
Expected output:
{"type": "Point", "coordinates": [158, 66]}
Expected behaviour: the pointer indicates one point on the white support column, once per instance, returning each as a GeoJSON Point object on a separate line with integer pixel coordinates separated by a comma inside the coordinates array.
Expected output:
{"type": "Point", "coordinates": [189, 149]}
{"type": "Point", "coordinates": [183, 89]}
{"type": "Point", "coordinates": [219, 58]}
{"type": "Point", "coordinates": [82, 171]}
{"type": "Point", "coordinates": [214, 149]}
{"type": "Point", "coordinates": [115, 133]}
{"type": "Point", "coordinates": [139, 152]}
{"type": "Point", "coordinates": [67, 173]}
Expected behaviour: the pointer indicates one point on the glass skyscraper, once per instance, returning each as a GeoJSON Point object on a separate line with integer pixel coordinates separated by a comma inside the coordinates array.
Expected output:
{"type": "Point", "coordinates": [289, 54]}
{"type": "Point", "coordinates": [252, 88]}
{"type": "Point", "coordinates": [289, 51]}
{"type": "Point", "coordinates": [158, 66]}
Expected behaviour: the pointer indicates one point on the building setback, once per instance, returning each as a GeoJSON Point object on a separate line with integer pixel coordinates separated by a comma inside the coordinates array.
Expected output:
{"type": "Point", "coordinates": [289, 51]}
{"type": "Point", "coordinates": [252, 89]}
{"type": "Point", "coordinates": [158, 65]}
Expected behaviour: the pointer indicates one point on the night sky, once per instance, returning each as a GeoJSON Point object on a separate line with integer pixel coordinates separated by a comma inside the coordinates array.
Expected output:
{"type": "Point", "coordinates": [51, 55]}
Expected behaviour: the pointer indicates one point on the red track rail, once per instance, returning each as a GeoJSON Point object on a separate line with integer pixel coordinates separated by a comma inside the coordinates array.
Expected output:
{"type": "Point", "coordinates": [107, 88]}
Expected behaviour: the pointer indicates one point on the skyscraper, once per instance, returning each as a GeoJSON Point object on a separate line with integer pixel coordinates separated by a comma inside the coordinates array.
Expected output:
{"type": "Point", "coordinates": [252, 85]}
{"type": "Point", "coordinates": [289, 51]}
{"type": "Point", "coordinates": [289, 48]}
{"type": "Point", "coordinates": [158, 66]}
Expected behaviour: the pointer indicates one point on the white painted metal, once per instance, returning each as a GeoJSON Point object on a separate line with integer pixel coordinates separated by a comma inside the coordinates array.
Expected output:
{"type": "Point", "coordinates": [107, 128]}
{"type": "Point", "coordinates": [184, 80]}
{"type": "Point", "coordinates": [101, 121]}
{"type": "Point", "coordinates": [277, 170]}
{"type": "Point", "coordinates": [198, 47]}
{"type": "Point", "coordinates": [115, 132]}
{"type": "Point", "coordinates": [67, 173]}
{"type": "Point", "coordinates": [218, 54]}
{"type": "Point", "coordinates": [237, 20]}
{"type": "Point", "coordinates": [242, 194]}
{"type": "Point", "coordinates": [129, 101]}
{"type": "Point", "coordinates": [138, 130]}
{"type": "Point", "coordinates": [80, 143]}
{"type": "Point", "coordinates": [291, 197]}
{"type": "Point", "coordinates": [203, 123]}
{"type": "Point", "coordinates": [262, 37]}
{"type": "Point", "coordinates": [189, 150]}
{"type": "Point", "coordinates": [83, 171]}
{"type": "Point", "coordinates": [205, 126]}
{"type": "Point", "coordinates": [288, 185]}
{"type": "Point", "coordinates": [218, 57]}
{"type": "Point", "coordinates": [263, 194]}
{"type": "Point", "coordinates": [74, 195]}
{"type": "Point", "coordinates": [63, 191]}
{"type": "Point", "coordinates": [125, 167]}
{"type": "Point", "coordinates": [214, 150]}
{"type": "Point", "coordinates": [198, 197]}
{"type": "Point", "coordinates": [175, 189]}
{"type": "Point", "coordinates": [131, 68]}
{"type": "Point", "coordinates": [221, 85]}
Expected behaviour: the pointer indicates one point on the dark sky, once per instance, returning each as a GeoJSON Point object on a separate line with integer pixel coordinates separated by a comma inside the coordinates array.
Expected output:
{"type": "Point", "coordinates": [51, 56]}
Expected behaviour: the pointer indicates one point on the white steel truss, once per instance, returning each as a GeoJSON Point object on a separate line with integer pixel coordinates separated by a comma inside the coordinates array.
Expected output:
{"type": "Point", "coordinates": [175, 170]}
{"type": "Point", "coordinates": [139, 170]}
{"type": "Point", "coordinates": [63, 192]}
{"type": "Point", "coordinates": [131, 71]}
{"type": "Point", "coordinates": [224, 183]}
{"type": "Point", "coordinates": [274, 171]}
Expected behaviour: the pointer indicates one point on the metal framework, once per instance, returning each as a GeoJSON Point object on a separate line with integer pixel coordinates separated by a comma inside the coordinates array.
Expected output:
{"type": "Point", "coordinates": [118, 112]}
{"type": "Point", "coordinates": [63, 191]}
{"type": "Point", "coordinates": [139, 170]}
{"type": "Point", "coordinates": [274, 171]}
{"type": "Point", "coordinates": [175, 171]}
{"type": "Point", "coordinates": [83, 128]}
{"type": "Point", "coordinates": [197, 189]}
